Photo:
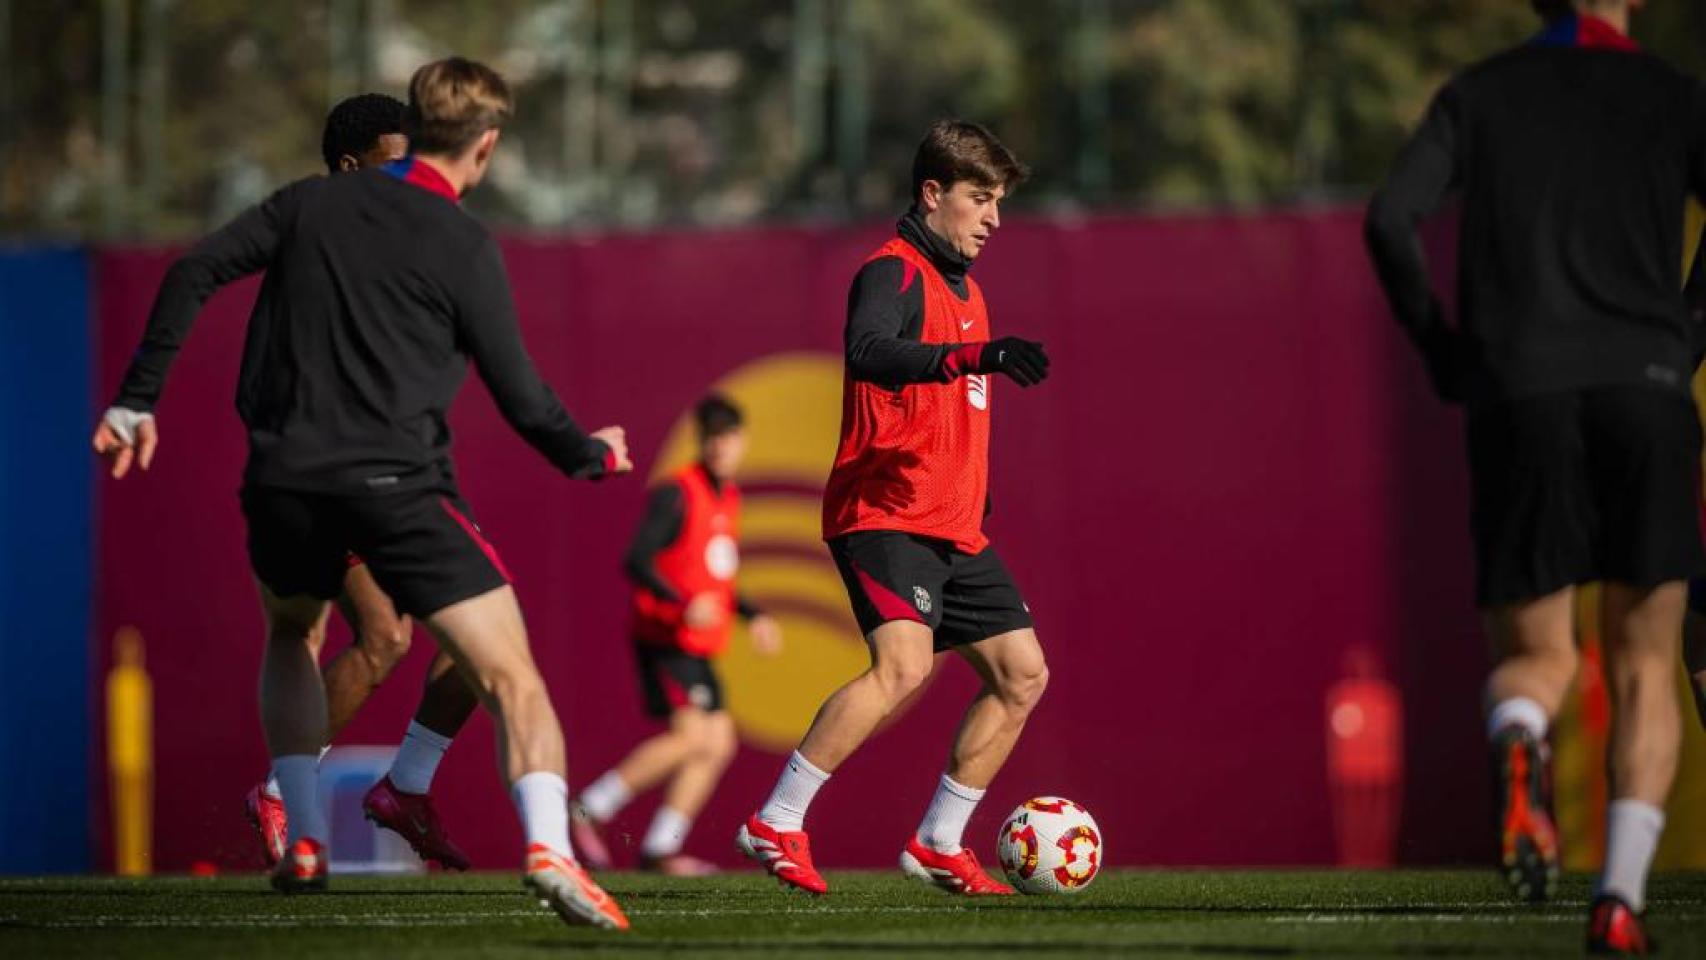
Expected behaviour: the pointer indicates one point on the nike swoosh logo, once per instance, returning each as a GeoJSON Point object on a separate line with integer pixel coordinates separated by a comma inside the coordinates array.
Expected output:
{"type": "Point", "coordinates": [965, 324]}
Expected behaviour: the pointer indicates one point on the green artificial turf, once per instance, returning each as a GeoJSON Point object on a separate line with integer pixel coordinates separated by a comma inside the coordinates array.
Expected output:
{"type": "Point", "coordinates": [1126, 913]}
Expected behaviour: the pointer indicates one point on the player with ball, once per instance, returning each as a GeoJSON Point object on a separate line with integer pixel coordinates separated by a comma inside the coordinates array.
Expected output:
{"type": "Point", "coordinates": [903, 513]}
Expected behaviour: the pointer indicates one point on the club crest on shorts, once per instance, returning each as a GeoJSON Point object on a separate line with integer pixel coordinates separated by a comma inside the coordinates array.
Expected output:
{"type": "Point", "coordinates": [921, 599]}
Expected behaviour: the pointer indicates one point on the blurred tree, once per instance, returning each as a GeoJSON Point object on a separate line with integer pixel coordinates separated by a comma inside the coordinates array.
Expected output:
{"type": "Point", "coordinates": [636, 112]}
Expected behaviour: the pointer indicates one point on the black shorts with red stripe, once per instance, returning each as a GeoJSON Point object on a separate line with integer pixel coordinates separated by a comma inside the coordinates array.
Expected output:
{"type": "Point", "coordinates": [420, 545]}
{"type": "Point", "coordinates": [671, 679]}
{"type": "Point", "coordinates": [962, 597]}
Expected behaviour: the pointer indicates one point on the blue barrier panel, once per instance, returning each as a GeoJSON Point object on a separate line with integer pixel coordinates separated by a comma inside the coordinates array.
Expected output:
{"type": "Point", "coordinates": [45, 571]}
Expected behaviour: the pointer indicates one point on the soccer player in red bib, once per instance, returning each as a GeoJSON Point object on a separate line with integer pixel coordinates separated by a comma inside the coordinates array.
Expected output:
{"type": "Point", "coordinates": [903, 514]}
{"type": "Point", "coordinates": [682, 563]}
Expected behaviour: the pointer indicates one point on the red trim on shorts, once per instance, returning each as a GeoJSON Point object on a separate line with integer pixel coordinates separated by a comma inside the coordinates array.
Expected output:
{"type": "Point", "coordinates": [672, 689]}
{"type": "Point", "coordinates": [490, 551]}
{"type": "Point", "coordinates": [889, 605]}
{"type": "Point", "coordinates": [351, 561]}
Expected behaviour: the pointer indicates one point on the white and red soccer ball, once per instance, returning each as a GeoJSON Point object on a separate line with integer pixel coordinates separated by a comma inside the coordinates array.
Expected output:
{"type": "Point", "coordinates": [1050, 845]}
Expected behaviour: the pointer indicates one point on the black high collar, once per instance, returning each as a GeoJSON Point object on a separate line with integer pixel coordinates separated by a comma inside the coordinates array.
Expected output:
{"type": "Point", "coordinates": [950, 263]}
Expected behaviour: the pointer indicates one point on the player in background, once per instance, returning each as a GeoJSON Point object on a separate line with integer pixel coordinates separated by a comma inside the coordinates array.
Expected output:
{"type": "Point", "coordinates": [362, 132]}
{"type": "Point", "coordinates": [1573, 355]}
{"type": "Point", "coordinates": [682, 563]}
{"type": "Point", "coordinates": [379, 293]}
{"type": "Point", "coordinates": [903, 514]}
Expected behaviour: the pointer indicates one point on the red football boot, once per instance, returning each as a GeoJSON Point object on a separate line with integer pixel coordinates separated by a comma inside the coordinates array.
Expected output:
{"type": "Point", "coordinates": [1614, 928]}
{"type": "Point", "coordinates": [1528, 842]}
{"type": "Point", "coordinates": [562, 885]}
{"type": "Point", "coordinates": [954, 872]}
{"type": "Point", "coordinates": [785, 856]}
{"type": "Point", "coordinates": [303, 868]}
{"type": "Point", "coordinates": [411, 816]}
{"type": "Point", "coordinates": [266, 814]}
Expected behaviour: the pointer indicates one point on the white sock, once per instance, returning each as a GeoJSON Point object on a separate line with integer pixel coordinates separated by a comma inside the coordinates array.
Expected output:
{"type": "Point", "coordinates": [270, 788]}
{"type": "Point", "coordinates": [666, 834]}
{"type": "Point", "coordinates": [542, 799]}
{"type": "Point", "coordinates": [945, 819]}
{"type": "Point", "coordinates": [1631, 836]}
{"type": "Point", "coordinates": [417, 759]}
{"type": "Point", "coordinates": [799, 783]}
{"type": "Point", "coordinates": [604, 797]}
{"type": "Point", "coordinates": [1517, 711]}
{"type": "Point", "coordinates": [299, 786]}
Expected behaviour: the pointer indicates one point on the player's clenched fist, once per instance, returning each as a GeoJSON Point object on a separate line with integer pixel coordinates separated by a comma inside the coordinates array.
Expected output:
{"type": "Point", "coordinates": [616, 439]}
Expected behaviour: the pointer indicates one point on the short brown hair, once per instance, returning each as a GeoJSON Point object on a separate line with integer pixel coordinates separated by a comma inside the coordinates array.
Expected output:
{"type": "Point", "coordinates": [452, 102]}
{"type": "Point", "coordinates": [956, 150]}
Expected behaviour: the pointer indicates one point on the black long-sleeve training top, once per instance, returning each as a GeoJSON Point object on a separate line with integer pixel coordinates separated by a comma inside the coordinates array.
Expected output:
{"type": "Point", "coordinates": [885, 321]}
{"type": "Point", "coordinates": [666, 510]}
{"type": "Point", "coordinates": [1574, 156]}
{"type": "Point", "coordinates": [379, 290]}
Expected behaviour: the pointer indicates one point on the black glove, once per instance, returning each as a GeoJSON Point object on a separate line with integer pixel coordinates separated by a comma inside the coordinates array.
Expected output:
{"type": "Point", "coordinates": [1022, 360]}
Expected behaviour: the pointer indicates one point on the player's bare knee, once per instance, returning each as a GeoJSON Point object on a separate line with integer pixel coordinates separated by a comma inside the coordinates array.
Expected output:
{"type": "Point", "coordinates": [1021, 689]}
{"type": "Point", "coordinates": [700, 746]}
{"type": "Point", "coordinates": [722, 744]}
{"type": "Point", "coordinates": [900, 676]}
{"type": "Point", "coordinates": [514, 691]}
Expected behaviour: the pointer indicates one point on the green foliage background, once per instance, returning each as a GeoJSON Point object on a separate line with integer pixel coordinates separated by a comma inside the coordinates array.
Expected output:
{"type": "Point", "coordinates": [647, 112]}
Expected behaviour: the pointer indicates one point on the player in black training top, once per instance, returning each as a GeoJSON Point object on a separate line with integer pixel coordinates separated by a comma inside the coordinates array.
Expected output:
{"type": "Point", "coordinates": [363, 132]}
{"type": "Point", "coordinates": [1574, 155]}
{"type": "Point", "coordinates": [379, 291]}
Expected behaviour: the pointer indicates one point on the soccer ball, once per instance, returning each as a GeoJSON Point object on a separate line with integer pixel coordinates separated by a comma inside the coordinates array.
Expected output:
{"type": "Point", "coordinates": [1050, 845]}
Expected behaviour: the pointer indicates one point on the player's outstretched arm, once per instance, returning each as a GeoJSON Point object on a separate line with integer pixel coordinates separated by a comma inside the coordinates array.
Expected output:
{"type": "Point", "coordinates": [127, 432]}
{"type": "Point", "coordinates": [1419, 182]}
{"type": "Point", "coordinates": [488, 332]}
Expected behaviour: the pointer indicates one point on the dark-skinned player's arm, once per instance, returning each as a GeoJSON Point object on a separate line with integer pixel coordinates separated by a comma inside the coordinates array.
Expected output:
{"type": "Point", "coordinates": [487, 330]}
{"type": "Point", "coordinates": [1418, 184]}
{"type": "Point", "coordinates": [885, 312]}
{"type": "Point", "coordinates": [246, 245]}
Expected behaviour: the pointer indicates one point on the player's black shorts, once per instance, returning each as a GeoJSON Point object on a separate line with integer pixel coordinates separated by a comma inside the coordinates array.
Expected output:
{"type": "Point", "coordinates": [671, 679]}
{"type": "Point", "coordinates": [421, 546]}
{"type": "Point", "coordinates": [1597, 484]}
{"type": "Point", "coordinates": [964, 598]}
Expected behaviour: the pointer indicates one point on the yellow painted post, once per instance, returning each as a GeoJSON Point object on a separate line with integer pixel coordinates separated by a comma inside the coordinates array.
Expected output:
{"type": "Point", "coordinates": [130, 755]}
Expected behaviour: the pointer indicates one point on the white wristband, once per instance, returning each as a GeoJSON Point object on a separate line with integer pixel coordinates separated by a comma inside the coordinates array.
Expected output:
{"type": "Point", "coordinates": [124, 421]}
